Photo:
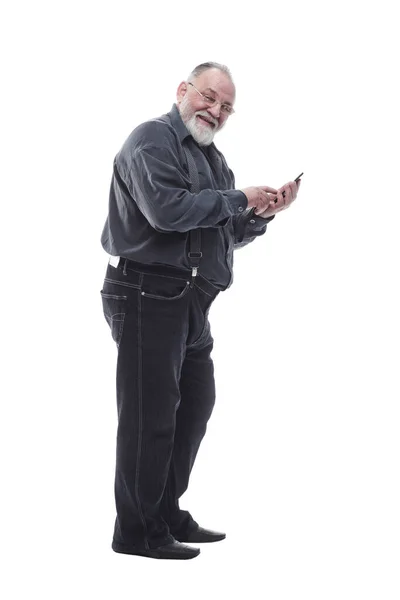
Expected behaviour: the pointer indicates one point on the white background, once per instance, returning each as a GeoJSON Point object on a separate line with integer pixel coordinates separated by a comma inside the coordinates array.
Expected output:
{"type": "Point", "coordinates": [300, 464]}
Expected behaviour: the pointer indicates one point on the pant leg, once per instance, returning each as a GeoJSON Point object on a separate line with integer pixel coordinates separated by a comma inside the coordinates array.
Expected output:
{"type": "Point", "coordinates": [151, 349]}
{"type": "Point", "coordinates": [197, 388]}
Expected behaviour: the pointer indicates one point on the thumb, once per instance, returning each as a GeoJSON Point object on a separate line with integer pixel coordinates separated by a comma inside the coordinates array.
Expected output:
{"type": "Point", "coordinates": [266, 188]}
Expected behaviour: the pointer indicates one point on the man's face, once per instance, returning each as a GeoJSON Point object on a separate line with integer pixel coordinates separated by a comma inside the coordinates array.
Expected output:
{"type": "Point", "coordinates": [192, 107]}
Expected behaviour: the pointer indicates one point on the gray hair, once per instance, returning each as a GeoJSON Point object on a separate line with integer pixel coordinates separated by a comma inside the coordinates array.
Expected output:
{"type": "Point", "coordinates": [209, 65]}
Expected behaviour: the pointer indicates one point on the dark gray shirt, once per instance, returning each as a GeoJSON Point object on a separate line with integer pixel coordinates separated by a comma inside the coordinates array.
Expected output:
{"type": "Point", "coordinates": [151, 208]}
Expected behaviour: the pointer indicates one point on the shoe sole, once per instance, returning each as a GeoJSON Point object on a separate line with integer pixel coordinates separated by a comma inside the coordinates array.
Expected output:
{"type": "Point", "coordinates": [153, 553]}
{"type": "Point", "coordinates": [200, 541]}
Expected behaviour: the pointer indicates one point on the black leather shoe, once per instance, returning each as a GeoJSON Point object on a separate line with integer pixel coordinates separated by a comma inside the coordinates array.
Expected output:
{"type": "Point", "coordinates": [173, 550]}
{"type": "Point", "coordinates": [200, 535]}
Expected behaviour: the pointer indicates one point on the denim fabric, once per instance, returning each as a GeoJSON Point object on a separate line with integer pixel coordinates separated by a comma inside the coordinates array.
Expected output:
{"type": "Point", "coordinates": [165, 395]}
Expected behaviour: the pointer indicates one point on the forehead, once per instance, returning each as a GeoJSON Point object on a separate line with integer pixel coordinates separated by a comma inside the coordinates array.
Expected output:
{"type": "Point", "coordinates": [214, 79]}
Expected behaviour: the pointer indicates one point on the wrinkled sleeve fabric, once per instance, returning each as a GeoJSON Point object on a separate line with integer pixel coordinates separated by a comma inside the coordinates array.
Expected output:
{"type": "Point", "coordinates": [244, 229]}
{"type": "Point", "coordinates": [159, 185]}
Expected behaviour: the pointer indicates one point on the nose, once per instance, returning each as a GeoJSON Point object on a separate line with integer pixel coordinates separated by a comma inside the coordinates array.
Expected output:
{"type": "Point", "coordinates": [215, 111]}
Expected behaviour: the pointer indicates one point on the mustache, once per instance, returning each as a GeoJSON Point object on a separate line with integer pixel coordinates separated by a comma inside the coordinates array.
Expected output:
{"type": "Point", "coordinates": [206, 116]}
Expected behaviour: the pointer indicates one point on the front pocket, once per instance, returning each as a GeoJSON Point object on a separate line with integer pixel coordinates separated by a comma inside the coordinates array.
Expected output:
{"type": "Point", "coordinates": [114, 310]}
{"type": "Point", "coordinates": [164, 288]}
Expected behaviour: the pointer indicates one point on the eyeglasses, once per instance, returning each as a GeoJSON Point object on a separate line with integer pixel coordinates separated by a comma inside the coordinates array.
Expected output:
{"type": "Point", "coordinates": [226, 108]}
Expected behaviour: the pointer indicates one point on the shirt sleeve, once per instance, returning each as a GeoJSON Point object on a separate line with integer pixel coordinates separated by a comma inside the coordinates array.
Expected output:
{"type": "Point", "coordinates": [159, 185]}
{"type": "Point", "coordinates": [247, 229]}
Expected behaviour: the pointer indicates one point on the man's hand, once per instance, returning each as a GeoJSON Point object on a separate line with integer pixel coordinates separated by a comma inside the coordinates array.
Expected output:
{"type": "Point", "coordinates": [284, 198]}
{"type": "Point", "coordinates": [259, 196]}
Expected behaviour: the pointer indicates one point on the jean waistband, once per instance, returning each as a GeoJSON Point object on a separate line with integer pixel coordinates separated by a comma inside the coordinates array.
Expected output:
{"type": "Point", "coordinates": [167, 270]}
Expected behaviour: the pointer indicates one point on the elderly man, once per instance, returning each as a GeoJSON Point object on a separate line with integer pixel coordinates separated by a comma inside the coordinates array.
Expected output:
{"type": "Point", "coordinates": [174, 221]}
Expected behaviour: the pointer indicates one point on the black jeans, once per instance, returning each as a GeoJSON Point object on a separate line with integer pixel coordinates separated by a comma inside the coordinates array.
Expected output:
{"type": "Point", "coordinates": [165, 395]}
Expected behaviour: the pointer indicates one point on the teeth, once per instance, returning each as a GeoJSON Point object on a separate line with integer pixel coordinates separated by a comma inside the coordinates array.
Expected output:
{"type": "Point", "coordinates": [206, 119]}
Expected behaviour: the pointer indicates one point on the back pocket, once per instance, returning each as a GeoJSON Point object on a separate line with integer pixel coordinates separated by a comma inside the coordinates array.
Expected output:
{"type": "Point", "coordinates": [114, 310]}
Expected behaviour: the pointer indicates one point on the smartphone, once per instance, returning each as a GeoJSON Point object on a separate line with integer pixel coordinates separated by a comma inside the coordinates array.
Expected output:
{"type": "Point", "coordinates": [298, 177]}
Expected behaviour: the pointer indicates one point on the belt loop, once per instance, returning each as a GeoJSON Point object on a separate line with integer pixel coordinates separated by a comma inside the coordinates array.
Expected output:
{"type": "Point", "coordinates": [125, 265]}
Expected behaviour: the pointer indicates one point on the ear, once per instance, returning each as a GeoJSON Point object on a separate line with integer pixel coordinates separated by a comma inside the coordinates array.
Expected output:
{"type": "Point", "coordinates": [181, 91]}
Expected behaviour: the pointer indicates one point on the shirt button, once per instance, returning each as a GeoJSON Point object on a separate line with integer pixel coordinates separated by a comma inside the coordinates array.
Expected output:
{"type": "Point", "coordinates": [252, 221]}
{"type": "Point", "coordinates": [240, 209]}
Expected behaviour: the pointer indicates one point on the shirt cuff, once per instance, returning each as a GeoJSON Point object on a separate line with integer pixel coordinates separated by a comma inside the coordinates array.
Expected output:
{"type": "Point", "coordinates": [257, 222]}
{"type": "Point", "coordinates": [237, 200]}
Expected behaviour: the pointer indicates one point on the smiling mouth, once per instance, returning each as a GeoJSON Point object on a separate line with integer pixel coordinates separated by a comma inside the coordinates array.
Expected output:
{"type": "Point", "coordinates": [205, 121]}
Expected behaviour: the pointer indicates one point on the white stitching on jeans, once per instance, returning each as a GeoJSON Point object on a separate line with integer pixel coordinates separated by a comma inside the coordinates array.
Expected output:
{"type": "Point", "coordinates": [132, 285]}
{"type": "Point", "coordinates": [183, 293]}
{"type": "Point", "coordinates": [140, 416]}
{"type": "Point", "coordinates": [118, 333]}
{"type": "Point", "coordinates": [113, 296]}
{"type": "Point", "coordinates": [117, 315]}
{"type": "Point", "coordinates": [121, 328]}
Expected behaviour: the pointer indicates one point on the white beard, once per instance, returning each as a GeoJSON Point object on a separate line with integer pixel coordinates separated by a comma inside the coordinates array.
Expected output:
{"type": "Point", "coordinates": [203, 135]}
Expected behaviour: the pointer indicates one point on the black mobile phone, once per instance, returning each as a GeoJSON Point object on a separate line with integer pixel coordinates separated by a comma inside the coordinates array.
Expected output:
{"type": "Point", "coordinates": [298, 177]}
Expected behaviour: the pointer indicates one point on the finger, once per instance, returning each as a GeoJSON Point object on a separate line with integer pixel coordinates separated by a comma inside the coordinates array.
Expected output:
{"type": "Point", "coordinates": [261, 211]}
{"type": "Point", "coordinates": [291, 185]}
{"type": "Point", "coordinates": [293, 191]}
{"type": "Point", "coordinates": [266, 188]}
{"type": "Point", "coordinates": [286, 193]}
{"type": "Point", "coordinates": [269, 197]}
{"type": "Point", "coordinates": [263, 204]}
{"type": "Point", "coordinates": [279, 198]}
{"type": "Point", "coordinates": [283, 189]}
